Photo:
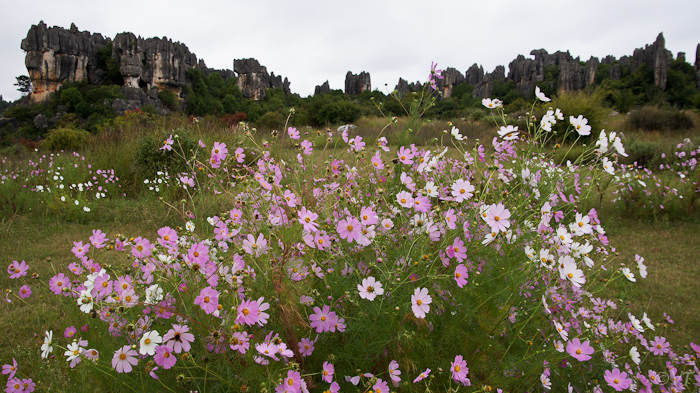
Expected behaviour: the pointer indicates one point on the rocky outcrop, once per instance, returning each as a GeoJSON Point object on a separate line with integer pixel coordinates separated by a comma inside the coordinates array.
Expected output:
{"type": "Point", "coordinates": [56, 55]}
{"type": "Point", "coordinates": [451, 77]}
{"type": "Point", "coordinates": [356, 84]}
{"type": "Point", "coordinates": [656, 57]}
{"type": "Point", "coordinates": [485, 87]}
{"type": "Point", "coordinates": [323, 89]}
{"type": "Point", "coordinates": [253, 79]}
{"type": "Point", "coordinates": [152, 62]}
{"type": "Point", "coordinates": [697, 65]}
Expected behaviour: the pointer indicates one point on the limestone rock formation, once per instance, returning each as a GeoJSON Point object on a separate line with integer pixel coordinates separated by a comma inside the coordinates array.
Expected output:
{"type": "Point", "coordinates": [656, 57]}
{"type": "Point", "coordinates": [697, 65]}
{"type": "Point", "coordinates": [485, 87]}
{"type": "Point", "coordinates": [55, 55]}
{"type": "Point", "coordinates": [356, 84]}
{"type": "Point", "coordinates": [323, 89]}
{"type": "Point", "coordinates": [451, 77]}
{"type": "Point", "coordinates": [253, 79]}
{"type": "Point", "coordinates": [152, 62]}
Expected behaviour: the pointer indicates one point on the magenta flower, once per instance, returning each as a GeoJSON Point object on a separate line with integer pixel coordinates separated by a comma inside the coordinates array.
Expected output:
{"type": "Point", "coordinates": [422, 204]}
{"type": "Point", "coordinates": [323, 320]}
{"type": "Point", "coordinates": [462, 190]}
{"type": "Point", "coordinates": [219, 150]}
{"type": "Point", "coordinates": [240, 155]}
{"type": "Point", "coordinates": [381, 386]}
{"type": "Point", "coordinates": [293, 133]}
{"type": "Point", "coordinates": [70, 332]}
{"type": "Point", "coordinates": [307, 218]}
{"type": "Point", "coordinates": [290, 384]}
{"type": "Point", "coordinates": [394, 372]}
{"type": "Point", "coordinates": [124, 358]}
{"type": "Point", "coordinates": [17, 269]}
{"type": "Point", "coordinates": [349, 229]}
{"type": "Point", "coordinates": [328, 371]}
{"type": "Point", "coordinates": [208, 299]}
{"type": "Point", "coordinates": [98, 238]}
{"type": "Point", "coordinates": [248, 312]}
{"type": "Point", "coordinates": [307, 147]}
{"type": "Point", "coordinates": [168, 144]}
{"type": "Point", "coordinates": [420, 302]}
{"type": "Point", "coordinates": [458, 249]}
{"type": "Point", "coordinates": [12, 369]}
{"type": "Point", "coordinates": [198, 254]}
{"type": "Point", "coordinates": [58, 282]}
{"type": "Point", "coordinates": [168, 237]}
{"type": "Point", "coordinates": [497, 218]}
{"type": "Point", "coordinates": [580, 351]}
{"type": "Point", "coordinates": [617, 380]}
{"type": "Point", "coordinates": [79, 249]}
{"type": "Point", "coordinates": [368, 216]}
{"type": "Point", "coordinates": [306, 347]}
{"type": "Point", "coordinates": [422, 376]}
{"type": "Point", "coordinates": [377, 162]}
{"type": "Point", "coordinates": [461, 275]}
{"type": "Point", "coordinates": [240, 342]}
{"type": "Point", "coordinates": [179, 338]}
{"type": "Point", "coordinates": [25, 291]}
{"type": "Point", "coordinates": [141, 248]}
{"type": "Point", "coordinates": [405, 155]}
{"type": "Point", "coordinates": [460, 371]}
{"type": "Point", "coordinates": [164, 357]}
{"type": "Point", "coordinates": [659, 346]}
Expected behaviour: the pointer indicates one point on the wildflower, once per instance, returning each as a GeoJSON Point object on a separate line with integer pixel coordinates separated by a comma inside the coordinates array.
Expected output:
{"type": "Point", "coordinates": [168, 144]}
{"type": "Point", "coordinates": [508, 133]}
{"type": "Point", "coordinates": [634, 355]}
{"type": "Point", "coordinates": [370, 288]}
{"type": "Point", "coordinates": [422, 376]}
{"type": "Point", "coordinates": [377, 162]}
{"type": "Point", "coordinates": [562, 332]}
{"type": "Point", "coordinates": [323, 320]}
{"type": "Point", "coordinates": [349, 229]}
{"type": "Point", "coordinates": [462, 190]}
{"type": "Point", "coordinates": [25, 291]}
{"type": "Point", "coordinates": [47, 347]}
{"type": "Point", "coordinates": [394, 372]}
{"type": "Point", "coordinates": [240, 155]}
{"type": "Point", "coordinates": [248, 312]}
{"type": "Point", "coordinates": [164, 356]}
{"type": "Point", "coordinates": [240, 342]}
{"type": "Point", "coordinates": [608, 166]}
{"type": "Point", "coordinates": [491, 104]}
{"type": "Point", "coordinates": [461, 275]}
{"type": "Point", "coordinates": [306, 347]}
{"type": "Point", "coordinates": [208, 299]}
{"type": "Point", "coordinates": [73, 353]}
{"type": "Point", "coordinates": [497, 218]}
{"type": "Point", "coordinates": [460, 371]}
{"type": "Point", "coordinates": [628, 273]}
{"type": "Point", "coordinates": [293, 133]}
{"type": "Point", "coordinates": [455, 134]}
{"type": "Point", "coordinates": [70, 332]}
{"type": "Point", "coordinates": [405, 155]}
{"type": "Point", "coordinates": [580, 125]}
{"type": "Point", "coordinates": [546, 383]}
{"type": "Point", "coordinates": [307, 147]}
{"type": "Point", "coordinates": [17, 269]}
{"type": "Point", "coordinates": [404, 198]}
{"type": "Point", "coordinates": [124, 358]}
{"type": "Point", "coordinates": [381, 386]}
{"type": "Point", "coordinates": [98, 238]}
{"type": "Point", "coordinates": [540, 95]}
{"type": "Point", "coordinates": [420, 302]}
{"type": "Point", "coordinates": [291, 384]}
{"type": "Point", "coordinates": [148, 342]}
{"type": "Point", "coordinates": [327, 374]}
{"type": "Point", "coordinates": [568, 270]}
{"type": "Point", "coordinates": [578, 350]}
{"type": "Point", "coordinates": [10, 369]}
{"type": "Point", "coordinates": [308, 218]}
{"type": "Point", "coordinates": [659, 346]}
{"type": "Point", "coordinates": [255, 246]}
{"type": "Point", "coordinates": [617, 380]}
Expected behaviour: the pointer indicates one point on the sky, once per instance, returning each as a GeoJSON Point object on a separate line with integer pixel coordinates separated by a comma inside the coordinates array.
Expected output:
{"type": "Point", "coordinates": [310, 41]}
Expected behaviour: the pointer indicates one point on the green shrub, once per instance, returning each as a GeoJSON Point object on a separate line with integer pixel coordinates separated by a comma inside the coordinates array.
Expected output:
{"type": "Point", "coordinates": [150, 159]}
{"type": "Point", "coordinates": [71, 97]}
{"type": "Point", "coordinates": [169, 99]}
{"type": "Point", "coordinates": [271, 120]}
{"type": "Point", "coordinates": [642, 152]}
{"type": "Point", "coordinates": [65, 138]}
{"type": "Point", "coordinates": [579, 103]}
{"type": "Point", "coordinates": [651, 118]}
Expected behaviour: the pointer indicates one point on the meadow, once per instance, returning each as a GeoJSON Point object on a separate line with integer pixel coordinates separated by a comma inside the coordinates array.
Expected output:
{"type": "Point", "coordinates": [449, 256]}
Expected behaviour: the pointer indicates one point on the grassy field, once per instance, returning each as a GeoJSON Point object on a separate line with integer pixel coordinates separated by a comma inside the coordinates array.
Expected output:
{"type": "Point", "coordinates": [670, 245]}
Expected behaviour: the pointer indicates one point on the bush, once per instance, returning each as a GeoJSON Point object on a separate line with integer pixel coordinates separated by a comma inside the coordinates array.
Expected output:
{"type": "Point", "coordinates": [65, 138]}
{"type": "Point", "coordinates": [589, 105]}
{"type": "Point", "coordinates": [271, 120]}
{"type": "Point", "coordinates": [651, 118]}
{"type": "Point", "coordinates": [169, 99]}
{"type": "Point", "coordinates": [150, 159]}
{"type": "Point", "coordinates": [641, 152]}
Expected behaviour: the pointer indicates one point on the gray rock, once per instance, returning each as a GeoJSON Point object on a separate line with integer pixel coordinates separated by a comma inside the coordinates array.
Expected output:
{"type": "Point", "coordinates": [451, 77]}
{"type": "Point", "coordinates": [356, 84]}
{"type": "Point", "coordinates": [253, 79]}
{"type": "Point", "coordinates": [697, 65]}
{"type": "Point", "coordinates": [40, 121]}
{"type": "Point", "coordinates": [323, 89]}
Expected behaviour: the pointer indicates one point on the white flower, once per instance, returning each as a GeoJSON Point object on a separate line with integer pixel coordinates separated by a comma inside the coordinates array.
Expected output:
{"type": "Point", "coordinates": [634, 355]}
{"type": "Point", "coordinates": [628, 273]}
{"type": "Point", "coordinates": [647, 322]}
{"type": "Point", "coordinates": [63, 199]}
{"type": "Point", "coordinates": [456, 134]}
{"type": "Point", "coordinates": [189, 226]}
{"type": "Point", "coordinates": [491, 104]}
{"type": "Point", "coordinates": [370, 288]}
{"type": "Point", "coordinates": [86, 209]}
{"type": "Point", "coordinates": [149, 341]}
{"type": "Point", "coordinates": [47, 348]}
{"type": "Point", "coordinates": [154, 294]}
{"type": "Point", "coordinates": [73, 351]}
{"type": "Point", "coordinates": [540, 95]}
{"type": "Point", "coordinates": [580, 125]}
{"type": "Point", "coordinates": [635, 323]}
{"type": "Point", "coordinates": [85, 300]}
{"type": "Point", "coordinates": [608, 166]}
{"type": "Point", "coordinates": [77, 203]}
{"type": "Point", "coordinates": [508, 133]}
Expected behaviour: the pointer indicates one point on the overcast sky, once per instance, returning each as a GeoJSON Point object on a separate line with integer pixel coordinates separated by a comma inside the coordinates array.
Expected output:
{"type": "Point", "coordinates": [310, 42]}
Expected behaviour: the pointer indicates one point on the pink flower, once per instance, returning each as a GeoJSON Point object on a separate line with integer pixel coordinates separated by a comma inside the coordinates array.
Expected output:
{"type": "Point", "coordinates": [168, 144]}
{"type": "Point", "coordinates": [17, 269]}
{"type": "Point", "coordinates": [179, 339]}
{"type": "Point", "coordinates": [580, 351]}
{"type": "Point", "coordinates": [293, 133]}
{"type": "Point", "coordinates": [461, 275]}
{"type": "Point", "coordinates": [459, 371]}
{"type": "Point", "coordinates": [290, 199]}
{"type": "Point", "coordinates": [290, 384]}
{"type": "Point", "coordinates": [451, 218]}
{"type": "Point", "coordinates": [405, 199]}
{"type": "Point", "coordinates": [462, 190]}
{"type": "Point", "coordinates": [58, 282]}
{"type": "Point", "coordinates": [79, 249]}
{"type": "Point", "coordinates": [420, 302]}
{"type": "Point", "coordinates": [307, 218]}
{"type": "Point", "coordinates": [323, 320]}
{"type": "Point", "coordinates": [356, 144]}
{"type": "Point", "coordinates": [219, 150]}
{"type": "Point", "coordinates": [124, 358]}
{"type": "Point", "coordinates": [248, 312]}
{"type": "Point", "coordinates": [208, 299]}
{"type": "Point", "coordinates": [381, 386]}
{"type": "Point", "coordinates": [240, 342]}
{"type": "Point", "coordinates": [240, 155]}
{"type": "Point", "coordinates": [25, 291]}
{"type": "Point", "coordinates": [405, 155]}
{"type": "Point", "coordinates": [659, 346]}
{"type": "Point", "coordinates": [617, 380]}
{"type": "Point", "coordinates": [306, 347]}
{"type": "Point", "coordinates": [70, 332]}
{"type": "Point", "coordinates": [394, 372]}
{"type": "Point", "coordinates": [254, 246]}
{"type": "Point", "coordinates": [328, 370]}
{"type": "Point", "coordinates": [98, 238]}
{"type": "Point", "coordinates": [459, 250]}
{"type": "Point", "coordinates": [164, 357]}
{"type": "Point", "coordinates": [377, 162]}
{"type": "Point", "coordinates": [199, 254]}
{"type": "Point", "coordinates": [12, 369]}
{"type": "Point", "coordinates": [141, 248]}
{"type": "Point", "coordinates": [422, 204]}
{"type": "Point", "coordinates": [307, 147]}
{"type": "Point", "coordinates": [497, 218]}
{"type": "Point", "coordinates": [422, 376]}
{"type": "Point", "coordinates": [349, 229]}
{"type": "Point", "coordinates": [368, 216]}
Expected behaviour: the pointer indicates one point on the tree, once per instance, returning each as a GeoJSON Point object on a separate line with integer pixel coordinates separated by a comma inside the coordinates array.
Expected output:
{"type": "Point", "coordinates": [24, 85]}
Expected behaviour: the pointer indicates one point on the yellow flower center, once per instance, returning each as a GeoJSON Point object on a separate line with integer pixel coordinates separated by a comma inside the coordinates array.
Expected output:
{"type": "Point", "coordinates": [457, 368]}
{"type": "Point", "coordinates": [307, 219]}
{"type": "Point", "coordinates": [419, 302]}
{"type": "Point", "coordinates": [122, 356]}
{"type": "Point", "coordinates": [147, 341]}
{"type": "Point", "coordinates": [206, 299]}
{"type": "Point", "coordinates": [323, 318]}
